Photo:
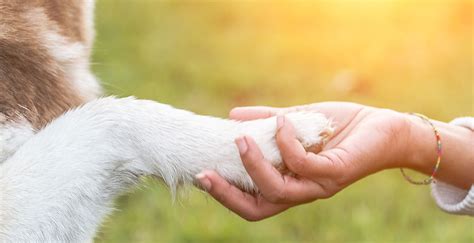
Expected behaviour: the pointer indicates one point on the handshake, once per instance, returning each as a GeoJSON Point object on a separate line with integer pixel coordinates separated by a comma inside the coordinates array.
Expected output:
{"type": "Point", "coordinates": [360, 141]}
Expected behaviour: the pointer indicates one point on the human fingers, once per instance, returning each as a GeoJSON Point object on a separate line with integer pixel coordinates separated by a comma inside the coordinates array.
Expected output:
{"type": "Point", "coordinates": [325, 168]}
{"type": "Point", "coordinates": [247, 206]}
{"type": "Point", "coordinates": [252, 112]}
{"type": "Point", "coordinates": [274, 186]}
{"type": "Point", "coordinates": [296, 158]}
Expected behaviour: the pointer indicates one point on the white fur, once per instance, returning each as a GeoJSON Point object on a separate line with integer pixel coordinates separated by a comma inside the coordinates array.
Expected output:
{"type": "Point", "coordinates": [62, 182]}
{"type": "Point", "coordinates": [58, 184]}
{"type": "Point", "coordinates": [12, 135]}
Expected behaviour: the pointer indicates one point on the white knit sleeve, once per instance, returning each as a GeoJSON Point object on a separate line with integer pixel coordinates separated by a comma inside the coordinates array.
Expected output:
{"type": "Point", "coordinates": [450, 198]}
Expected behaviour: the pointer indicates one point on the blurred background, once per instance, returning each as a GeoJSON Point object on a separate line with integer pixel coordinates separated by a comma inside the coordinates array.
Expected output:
{"type": "Point", "coordinates": [209, 56]}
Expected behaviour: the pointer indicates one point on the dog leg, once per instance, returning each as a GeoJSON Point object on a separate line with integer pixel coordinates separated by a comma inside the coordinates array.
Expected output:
{"type": "Point", "coordinates": [61, 183]}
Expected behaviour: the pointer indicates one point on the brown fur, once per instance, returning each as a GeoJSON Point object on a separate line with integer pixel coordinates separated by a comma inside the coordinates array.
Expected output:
{"type": "Point", "coordinates": [32, 83]}
{"type": "Point", "coordinates": [68, 14]}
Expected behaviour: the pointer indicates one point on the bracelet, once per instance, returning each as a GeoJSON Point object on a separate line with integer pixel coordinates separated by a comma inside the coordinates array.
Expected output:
{"type": "Point", "coordinates": [430, 179]}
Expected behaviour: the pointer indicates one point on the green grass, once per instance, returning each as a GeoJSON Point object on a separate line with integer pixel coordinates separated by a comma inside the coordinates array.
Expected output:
{"type": "Point", "coordinates": [209, 56]}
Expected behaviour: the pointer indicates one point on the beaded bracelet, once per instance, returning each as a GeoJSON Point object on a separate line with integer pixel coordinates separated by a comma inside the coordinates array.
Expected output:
{"type": "Point", "coordinates": [430, 179]}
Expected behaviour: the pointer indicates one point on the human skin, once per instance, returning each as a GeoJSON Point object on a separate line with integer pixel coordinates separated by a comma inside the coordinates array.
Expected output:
{"type": "Point", "coordinates": [366, 140]}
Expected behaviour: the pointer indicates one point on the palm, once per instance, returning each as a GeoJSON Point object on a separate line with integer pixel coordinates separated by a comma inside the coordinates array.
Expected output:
{"type": "Point", "coordinates": [363, 142]}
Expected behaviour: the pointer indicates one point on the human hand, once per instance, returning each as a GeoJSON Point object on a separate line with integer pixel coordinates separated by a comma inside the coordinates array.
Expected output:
{"type": "Point", "coordinates": [366, 140]}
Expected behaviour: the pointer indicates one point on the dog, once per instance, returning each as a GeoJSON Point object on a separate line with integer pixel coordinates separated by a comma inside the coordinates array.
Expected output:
{"type": "Point", "coordinates": [66, 153]}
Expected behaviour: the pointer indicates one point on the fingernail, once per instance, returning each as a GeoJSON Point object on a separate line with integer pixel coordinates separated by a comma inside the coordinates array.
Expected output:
{"type": "Point", "coordinates": [242, 145]}
{"type": "Point", "coordinates": [204, 181]}
{"type": "Point", "coordinates": [280, 122]}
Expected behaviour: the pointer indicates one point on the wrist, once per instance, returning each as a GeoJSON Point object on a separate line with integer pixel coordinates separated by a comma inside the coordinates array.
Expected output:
{"type": "Point", "coordinates": [420, 145]}
{"type": "Point", "coordinates": [405, 138]}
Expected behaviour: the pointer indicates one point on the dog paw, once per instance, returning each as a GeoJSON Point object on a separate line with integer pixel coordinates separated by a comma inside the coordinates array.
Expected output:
{"type": "Point", "coordinates": [311, 128]}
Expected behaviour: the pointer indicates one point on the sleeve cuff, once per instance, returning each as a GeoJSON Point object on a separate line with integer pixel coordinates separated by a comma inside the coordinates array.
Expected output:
{"type": "Point", "coordinates": [450, 198]}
